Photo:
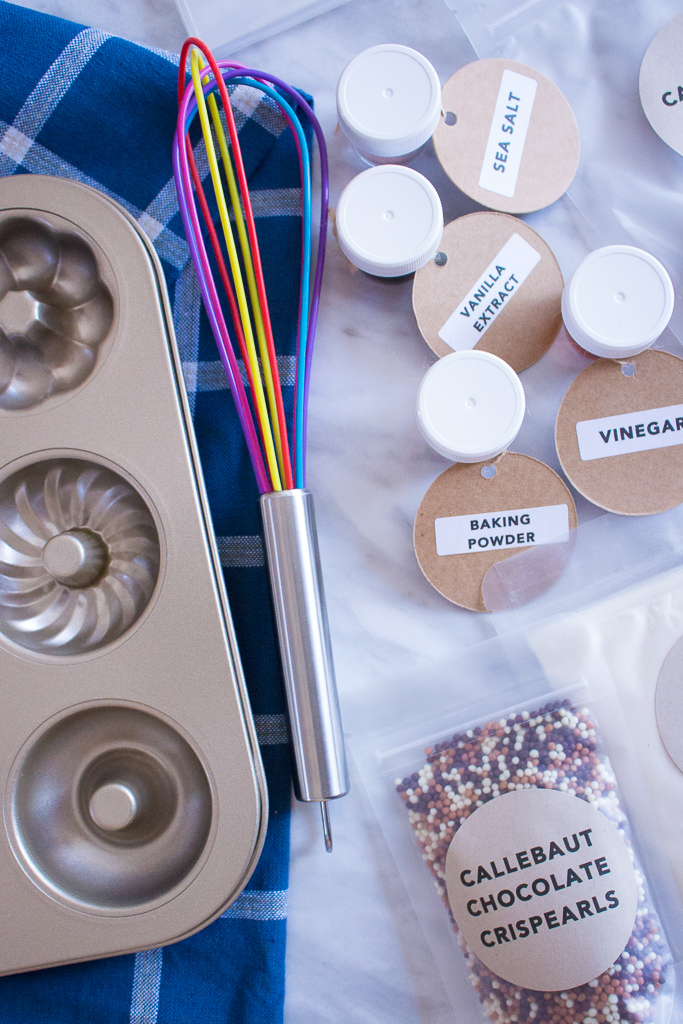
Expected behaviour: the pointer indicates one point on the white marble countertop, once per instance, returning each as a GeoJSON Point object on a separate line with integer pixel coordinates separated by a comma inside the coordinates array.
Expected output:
{"type": "Point", "coordinates": [355, 951]}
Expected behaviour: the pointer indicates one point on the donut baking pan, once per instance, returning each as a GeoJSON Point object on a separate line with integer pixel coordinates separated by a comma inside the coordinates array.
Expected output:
{"type": "Point", "coordinates": [134, 801]}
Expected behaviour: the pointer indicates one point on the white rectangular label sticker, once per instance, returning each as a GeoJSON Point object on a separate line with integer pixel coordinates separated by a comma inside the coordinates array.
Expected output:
{"type": "Point", "coordinates": [630, 432]}
{"type": "Point", "coordinates": [507, 135]}
{"type": "Point", "coordinates": [490, 295]}
{"type": "Point", "coordinates": [488, 531]}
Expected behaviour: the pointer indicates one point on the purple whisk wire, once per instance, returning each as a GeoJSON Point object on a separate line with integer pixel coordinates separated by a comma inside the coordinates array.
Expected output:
{"type": "Point", "coordinates": [190, 218]}
{"type": "Point", "coordinates": [200, 259]}
{"type": "Point", "coordinates": [324, 208]}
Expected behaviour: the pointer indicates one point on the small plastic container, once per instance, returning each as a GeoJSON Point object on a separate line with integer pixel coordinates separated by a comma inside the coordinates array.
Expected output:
{"type": "Point", "coordinates": [389, 103]}
{"type": "Point", "coordinates": [470, 406]}
{"type": "Point", "coordinates": [618, 301]}
{"type": "Point", "coordinates": [389, 221]}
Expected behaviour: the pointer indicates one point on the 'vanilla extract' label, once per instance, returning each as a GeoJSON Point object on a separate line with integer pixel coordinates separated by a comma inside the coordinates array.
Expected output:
{"type": "Point", "coordinates": [542, 888]}
{"type": "Point", "coordinates": [489, 531]}
{"type": "Point", "coordinates": [630, 432]}
{"type": "Point", "coordinates": [507, 134]}
{"type": "Point", "coordinates": [491, 294]}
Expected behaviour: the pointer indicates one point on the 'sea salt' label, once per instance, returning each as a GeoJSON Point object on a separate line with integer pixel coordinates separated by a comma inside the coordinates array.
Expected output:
{"type": "Point", "coordinates": [630, 432]}
{"type": "Point", "coordinates": [507, 134]}
{"type": "Point", "coordinates": [492, 293]}
{"type": "Point", "coordinates": [492, 531]}
{"type": "Point", "coordinates": [542, 887]}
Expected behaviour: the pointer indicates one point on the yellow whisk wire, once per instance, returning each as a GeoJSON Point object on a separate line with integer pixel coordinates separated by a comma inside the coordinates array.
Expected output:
{"type": "Point", "coordinates": [240, 293]}
{"type": "Point", "coordinates": [248, 262]}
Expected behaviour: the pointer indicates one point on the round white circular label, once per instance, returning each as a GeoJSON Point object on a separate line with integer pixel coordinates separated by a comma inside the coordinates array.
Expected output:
{"type": "Point", "coordinates": [669, 704]}
{"type": "Point", "coordinates": [542, 887]}
{"type": "Point", "coordinates": [661, 83]}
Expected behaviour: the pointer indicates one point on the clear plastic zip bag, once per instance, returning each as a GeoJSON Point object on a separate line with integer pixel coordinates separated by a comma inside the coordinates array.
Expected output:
{"type": "Point", "coordinates": [533, 898]}
{"type": "Point", "coordinates": [628, 185]}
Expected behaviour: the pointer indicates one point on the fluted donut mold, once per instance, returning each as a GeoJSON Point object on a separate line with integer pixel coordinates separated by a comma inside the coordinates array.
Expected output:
{"type": "Point", "coordinates": [73, 311]}
{"type": "Point", "coordinates": [79, 556]}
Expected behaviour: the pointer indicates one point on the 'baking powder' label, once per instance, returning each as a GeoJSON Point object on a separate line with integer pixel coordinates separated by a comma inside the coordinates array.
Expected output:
{"type": "Point", "coordinates": [542, 888]}
{"type": "Point", "coordinates": [630, 432]}
{"type": "Point", "coordinates": [492, 293]}
{"type": "Point", "coordinates": [507, 134]}
{"type": "Point", "coordinates": [491, 531]}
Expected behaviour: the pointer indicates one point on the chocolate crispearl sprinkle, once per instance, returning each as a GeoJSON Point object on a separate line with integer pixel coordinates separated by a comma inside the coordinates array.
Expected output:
{"type": "Point", "coordinates": [553, 748]}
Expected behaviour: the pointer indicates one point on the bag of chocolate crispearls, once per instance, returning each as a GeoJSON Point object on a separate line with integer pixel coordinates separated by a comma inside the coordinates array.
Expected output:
{"type": "Point", "coordinates": [532, 850]}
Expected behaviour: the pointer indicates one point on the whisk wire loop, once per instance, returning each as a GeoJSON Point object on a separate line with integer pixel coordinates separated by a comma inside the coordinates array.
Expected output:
{"type": "Point", "coordinates": [247, 302]}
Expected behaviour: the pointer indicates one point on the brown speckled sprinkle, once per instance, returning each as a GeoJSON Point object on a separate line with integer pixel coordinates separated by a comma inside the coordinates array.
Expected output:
{"type": "Point", "coordinates": [553, 748]}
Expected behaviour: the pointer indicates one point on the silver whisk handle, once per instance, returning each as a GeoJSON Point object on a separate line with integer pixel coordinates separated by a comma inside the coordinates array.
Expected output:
{"type": "Point", "coordinates": [305, 649]}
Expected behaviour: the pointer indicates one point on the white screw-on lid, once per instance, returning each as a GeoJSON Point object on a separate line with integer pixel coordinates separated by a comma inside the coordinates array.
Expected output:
{"type": "Point", "coordinates": [389, 220]}
{"type": "Point", "coordinates": [617, 302]}
{"type": "Point", "coordinates": [470, 406]}
{"type": "Point", "coordinates": [389, 100]}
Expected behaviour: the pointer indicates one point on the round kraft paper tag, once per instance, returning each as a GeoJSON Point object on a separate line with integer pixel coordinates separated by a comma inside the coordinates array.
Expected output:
{"type": "Point", "coordinates": [469, 520]}
{"type": "Point", "coordinates": [542, 888]}
{"type": "Point", "coordinates": [499, 289]}
{"type": "Point", "coordinates": [508, 138]}
{"type": "Point", "coordinates": [661, 84]}
{"type": "Point", "coordinates": [669, 704]}
{"type": "Point", "coordinates": [619, 433]}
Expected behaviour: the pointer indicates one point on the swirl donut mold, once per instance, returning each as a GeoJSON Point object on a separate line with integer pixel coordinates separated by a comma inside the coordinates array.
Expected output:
{"type": "Point", "coordinates": [74, 311]}
{"type": "Point", "coordinates": [79, 556]}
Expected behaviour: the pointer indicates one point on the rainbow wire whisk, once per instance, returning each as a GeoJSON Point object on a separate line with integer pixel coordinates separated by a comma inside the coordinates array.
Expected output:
{"type": "Point", "coordinates": [279, 466]}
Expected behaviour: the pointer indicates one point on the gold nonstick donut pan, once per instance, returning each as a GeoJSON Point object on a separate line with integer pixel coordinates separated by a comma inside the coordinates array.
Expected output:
{"type": "Point", "coordinates": [134, 801]}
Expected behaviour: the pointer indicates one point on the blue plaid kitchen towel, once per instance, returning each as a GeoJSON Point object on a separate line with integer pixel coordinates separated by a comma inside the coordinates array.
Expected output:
{"type": "Point", "coordinates": [80, 103]}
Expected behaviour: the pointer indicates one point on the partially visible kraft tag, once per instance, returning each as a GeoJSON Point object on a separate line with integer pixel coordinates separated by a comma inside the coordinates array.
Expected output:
{"type": "Point", "coordinates": [496, 286]}
{"type": "Point", "coordinates": [669, 704]}
{"type": "Point", "coordinates": [619, 434]}
{"type": "Point", "coordinates": [469, 520]}
{"type": "Point", "coordinates": [511, 141]}
{"type": "Point", "coordinates": [661, 83]}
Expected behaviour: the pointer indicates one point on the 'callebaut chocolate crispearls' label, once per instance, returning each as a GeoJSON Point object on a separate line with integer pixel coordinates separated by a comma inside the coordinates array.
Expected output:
{"type": "Point", "coordinates": [542, 887]}
{"type": "Point", "coordinates": [547, 756]}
